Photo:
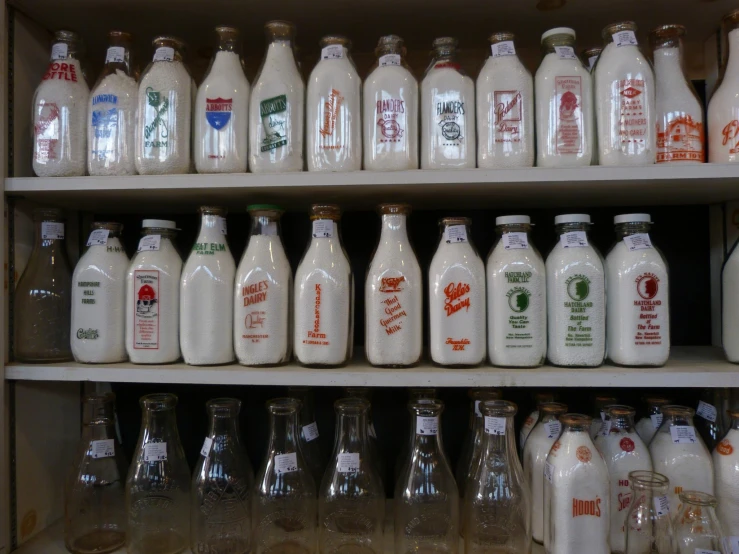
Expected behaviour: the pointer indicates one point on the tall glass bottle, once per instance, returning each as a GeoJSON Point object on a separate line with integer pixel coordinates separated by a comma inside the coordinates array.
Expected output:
{"type": "Point", "coordinates": [590, 57]}
{"type": "Point", "coordinates": [309, 436]}
{"type": "Point", "coordinates": [600, 403]}
{"type": "Point", "coordinates": [421, 395]}
{"type": "Point", "coordinates": [94, 506]}
{"type": "Point", "coordinates": [220, 512]}
{"type": "Point", "coordinates": [647, 426]}
{"type": "Point", "coordinates": [43, 295]}
{"type": "Point", "coordinates": [726, 469]}
{"type": "Point", "coordinates": [351, 502]}
{"type": "Point", "coordinates": [697, 529]}
{"type": "Point", "coordinates": [723, 109]}
{"type": "Point", "coordinates": [528, 424]}
{"type": "Point", "coordinates": [648, 523]}
{"type": "Point", "coordinates": [158, 483]}
{"type": "Point", "coordinates": [366, 394]}
{"type": "Point", "coordinates": [426, 504]}
{"type": "Point", "coordinates": [284, 509]}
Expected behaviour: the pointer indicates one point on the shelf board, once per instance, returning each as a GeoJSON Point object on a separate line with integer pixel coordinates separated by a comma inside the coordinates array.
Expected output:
{"type": "Point", "coordinates": [700, 366]}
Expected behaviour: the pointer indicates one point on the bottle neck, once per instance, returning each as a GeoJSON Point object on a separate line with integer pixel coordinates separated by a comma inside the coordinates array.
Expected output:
{"type": "Point", "coordinates": [654, 409]}
{"type": "Point", "coordinates": [265, 225]}
{"type": "Point", "coordinates": [548, 46]}
{"type": "Point", "coordinates": [494, 446]}
{"type": "Point", "coordinates": [677, 419]}
{"type": "Point", "coordinates": [394, 228]}
{"type": "Point", "coordinates": [118, 58]}
{"type": "Point", "coordinates": [546, 417]}
{"type": "Point", "coordinates": [307, 412]}
{"type": "Point", "coordinates": [569, 227]}
{"type": "Point", "coordinates": [223, 425]}
{"type": "Point", "coordinates": [351, 433]}
{"type": "Point", "coordinates": [280, 51]}
{"type": "Point", "coordinates": [735, 423]}
{"type": "Point", "coordinates": [51, 244]}
{"type": "Point", "coordinates": [212, 228]}
{"type": "Point", "coordinates": [623, 422]}
{"type": "Point", "coordinates": [426, 443]}
{"type": "Point", "coordinates": [627, 229]}
{"type": "Point", "coordinates": [283, 435]}
{"type": "Point", "coordinates": [513, 228]}
{"type": "Point", "coordinates": [98, 430]}
{"type": "Point", "coordinates": [159, 424]}
{"type": "Point", "coordinates": [732, 62]}
{"type": "Point", "coordinates": [668, 60]}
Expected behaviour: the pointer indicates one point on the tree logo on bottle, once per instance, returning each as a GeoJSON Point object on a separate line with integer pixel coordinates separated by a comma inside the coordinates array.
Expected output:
{"type": "Point", "coordinates": [578, 287]}
{"type": "Point", "coordinates": [647, 286]}
{"type": "Point", "coordinates": [161, 105]}
{"type": "Point", "coordinates": [519, 299]}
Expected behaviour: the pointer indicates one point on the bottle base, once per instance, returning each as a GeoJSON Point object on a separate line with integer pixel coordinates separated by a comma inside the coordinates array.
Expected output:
{"type": "Point", "coordinates": [97, 541]}
{"type": "Point", "coordinates": [37, 360]}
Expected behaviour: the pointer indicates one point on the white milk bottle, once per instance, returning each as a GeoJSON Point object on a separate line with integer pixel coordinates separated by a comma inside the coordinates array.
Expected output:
{"type": "Point", "coordinates": [590, 57]}
{"type": "Point", "coordinates": [576, 492]}
{"type": "Point", "coordinates": [222, 110]}
{"type": "Point", "coordinates": [263, 293]}
{"type": "Point", "coordinates": [206, 294]}
{"type": "Point", "coordinates": [576, 296]}
{"type": "Point", "coordinates": [730, 305]}
{"type": "Point", "coordinates": [276, 105]}
{"type": "Point", "coordinates": [504, 98]}
{"type": "Point", "coordinates": [543, 435]}
{"type": "Point", "coordinates": [680, 131]}
{"type": "Point", "coordinates": [624, 451]}
{"type": "Point", "coordinates": [324, 294]}
{"type": "Point", "coordinates": [98, 330]}
{"type": "Point", "coordinates": [517, 296]}
{"type": "Point", "coordinates": [723, 109]}
{"type": "Point", "coordinates": [679, 453]}
{"type": "Point", "coordinates": [624, 99]}
{"type": "Point", "coordinates": [447, 111]}
{"type": "Point", "coordinates": [393, 295]}
{"type": "Point", "coordinates": [456, 297]}
{"type": "Point", "coordinates": [532, 418]}
{"type": "Point", "coordinates": [726, 468]}
{"type": "Point", "coordinates": [648, 425]}
{"type": "Point", "coordinates": [333, 110]}
{"type": "Point", "coordinates": [637, 311]}
{"type": "Point", "coordinates": [153, 296]}
{"type": "Point", "coordinates": [600, 403]}
{"type": "Point", "coordinates": [390, 110]}
{"type": "Point", "coordinates": [565, 121]}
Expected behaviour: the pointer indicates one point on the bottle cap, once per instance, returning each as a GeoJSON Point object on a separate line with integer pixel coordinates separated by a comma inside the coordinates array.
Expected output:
{"type": "Point", "coordinates": [260, 207]}
{"type": "Point", "coordinates": [159, 224]}
{"type": "Point", "coordinates": [559, 31]}
{"type": "Point", "coordinates": [513, 219]}
{"type": "Point", "coordinates": [632, 218]}
{"type": "Point", "coordinates": [571, 218]}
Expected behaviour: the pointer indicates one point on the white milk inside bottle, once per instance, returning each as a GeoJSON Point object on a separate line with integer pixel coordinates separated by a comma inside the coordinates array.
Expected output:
{"type": "Point", "coordinates": [276, 106]}
{"type": "Point", "coordinates": [324, 294]}
{"type": "Point", "coordinates": [517, 297]}
{"type": "Point", "coordinates": [648, 425]}
{"type": "Point", "coordinates": [599, 413]}
{"type": "Point", "coordinates": [590, 57]}
{"type": "Point", "coordinates": [531, 419]}
{"type": "Point", "coordinates": [393, 295]}
{"type": "Point", "coordinates": [456, 297]}
{"type": "Point", "coordinates": [726, 468]}
{"type": "Point", "coordinates": [624, 100]}
{"type": "Point", "coordinates": [153, 296]}
{"type": "Point", "coordinates": [222, 110]}
{"type": "Point", "coordinates": [263, 293]}
{"type": "Point", "coordinates": [447, 111]}
{"type": "Point", "coordinates": [723, 109]}
{"type": "Point", "coordinates": [730, 305]}
{"type": "Point", "coordinates": [206, 294]}
{"type": "Point", "coordinates": [98, 331]}
{"type": "Point", "coordinates": [638, 311]}
{"type": "Point", "coordinates": [390, 110]}
{"type": "Point", "coordinates": [333, 110]}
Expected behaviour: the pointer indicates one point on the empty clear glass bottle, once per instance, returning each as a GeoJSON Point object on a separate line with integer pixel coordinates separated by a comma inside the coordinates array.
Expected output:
{"type": "Point", "coordinates": [94, 508]}
{"type": "Point", "coordinates": [284, 509]}
{"type": "Point", "coordinates": [158, 483]}
{"type": "Point", "coordinates": [426, 501]}
{"type": "Point", "coordinates": [648, 523]}
{"type": "Point", "coordinates": [220, 513]}
{"type": "Point", "coordinates": [366, 393]}
{"type": "Point", "coordinates": [43, 296]}
{"type": "Point", "coordinates": [415, 395]}
{"type": "Point", "coordinates": [697, 529]}
{"type": "Point", "coordinates": [351, 503]}
{"type": "Point", "coordinates": [309, 436]}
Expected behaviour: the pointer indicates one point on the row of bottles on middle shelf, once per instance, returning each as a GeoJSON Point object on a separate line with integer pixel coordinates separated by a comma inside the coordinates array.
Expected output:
{"type": "Point", "coordinates": [577, 492]}
{"type": "Point", "coordinates": [519, 310]}
{"type": "Point", "coordinates": [624, 114]}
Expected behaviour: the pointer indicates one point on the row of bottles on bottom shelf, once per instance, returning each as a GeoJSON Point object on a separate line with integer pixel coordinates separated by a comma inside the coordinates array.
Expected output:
{"type": "Point", "coordinates": [577, 495]}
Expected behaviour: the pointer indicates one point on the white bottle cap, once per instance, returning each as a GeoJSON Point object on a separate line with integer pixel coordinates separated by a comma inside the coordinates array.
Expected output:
{"type": "Point", "coordinates": [571, 218]}
{"type": "Point", "coordinates": [632, 218]}
{"type": "Point", "coordinates": [159, 224]}
{"type": "Point", "coordinates": [559, 31]}
{"type": "Point", "coordinates": [512, 220]}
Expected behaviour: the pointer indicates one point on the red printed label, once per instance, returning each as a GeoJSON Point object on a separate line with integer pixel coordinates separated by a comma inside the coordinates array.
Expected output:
{"type": "Point", "coordinates": [454, 301]}
{"type": "Point", "coordinates": [648, 330]}
{"type": "Point", "coordinates": [681, 140]}
{"type": "Point", "coordinates": [46, 131]}
{"type": "Point", "coordinates": [508, 115]}
{"type": "Point", "coordinates": [731, 133]}
{"type": "Point", "coordinates": [316, 337]}
{"type": "Point", "coordinates": [331, 109]}
{"type": "Point", "coordinates": [586, 507]}
{"type": "Point", "coordinates": [255, 293]}
{"type": "Point", "coordinates": [633, 121]}
{"type": "Point", "coordinates": [146, 310]}
{"type": "Point", "coordinates": [568, 91]}
{"type": "Point", "coordinates": [61, 71]}
{"type": "Point", "coordinates": [627, 445]}
{"type": "Point", "coordinates": [395, 312]}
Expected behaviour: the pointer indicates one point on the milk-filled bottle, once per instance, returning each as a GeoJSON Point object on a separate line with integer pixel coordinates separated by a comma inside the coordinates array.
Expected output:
{"type": "Point", "coordinates": [263, 293]}
{"type": "Point", "coordinates": [590, 57]}
{"type": "Point", "coordinates": [730, 303]}
{"type": "Point", "coordinates": [393, 294]}
{"type": "Point", "coordinates": [624, 99]}
{"type": "Point", "coordinates": [390, 110]}
{"type": "Point", "coordinates": [565, 120]}
{"type": "Point", "coordinates": [726, 468]}
{"type": "Point", "coordinates": [276, 105]}
{"type": "Point", "coordinates": [517, 296]}
{"type": "Point", "coordinates": [504, 98]}
{"type": "Point", "coordinates": [206, 294]}
{"type": "Point", "coordinates": [600, 403]}
{"type": "Point", "coordinates": [447, 111]}
{"type": "Point", "coordinates": [333, 110]}
{"type": "Point", "coordinates": [647, 426]}
{"type": "Point", "coordinates": [324, 294]}
{"type": "Point", "coordinates": [153, 296]}
{"type": "Point", "coordinates": [638, 311]}
{"type": "Point", "coordinates": [456, 297]}
{"type": "Point", "coordinates": [222, 110]}
{"type": "Point", "coordinates": [723, 109]}
{"type": "Point", "coordinates": [98, 329]}
{"type": "Point", "coordinates": [532, 418]}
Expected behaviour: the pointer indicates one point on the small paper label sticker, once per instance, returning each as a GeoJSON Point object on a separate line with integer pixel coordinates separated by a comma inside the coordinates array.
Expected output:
{"type": "Point", "coordinates": [164, 54]}
{"type": "Point", "coordinates": [349, 462]}
{"type": "Point", "coordinates": [103, 448]}
{"type": "Point", "coordinates": [515, 240]}
{"type": "Point", "coordinates": [683, 434]}
{"type": "Point", "coordinates": [332, 52]}
{"type": "Point", "coordinates": [624, 38]}
{"type": "Point", "coordinates": [606, 427]}
{"type": "Point", "coordinates": [638, 241]}
{"type": "Point", "coordinates": [505, 48]}
{"type": "Point", "coordinates": [731, 545]}
{"type": "Point", "coordinates": [310, 431]}
{"type": "Point", "coordinates": [427, 425]}
{"type": "Point", "coordinates": [573, 239]}
{"type": "Point", "coordinates": [661, 505]}
{"type": "Point", "coordinates": [221, 225]}
{"type": "Point", "coordinates": [98, 237]}
{"type": "Point", "coordinates": [286, 463]}
{"type": "Point", "coordinates": [704, 551]}
{"type": "Point", "coordinates": [591, 61]}
{"type": "Point", "coordinates": [115, 54]}
{"type": "Point", "coordinates": [656, 420]}
{"type": "Point", "coordinates": [323, 228]}
{"type": "Point", "coordinates": [549, 472]}
{"type": "Point", "coordinates": [270, 229]}
{"type": "Point", "coordinates": [59, 51]}
{"type": "Point", "coordinates": [207, 445]}
{"type": "Point", "coordinates": [565, 52]}
{"type": "Point", "coordinates": [52, 230]}
{"type": "Point", "coordinates": [707, 411]}
{"type": "Point", "coordinates": [455, 233]}
{"type": "Point", "coordinates": [494, 425]}
{"type": "Point", "coordinates": [155, 452]}
{"type": "Point", "coordinates": [389, 59]}
{"type": "Point", "coordinates": [554, 428]}
{"type": "Point", "coordinates": [149, 243]}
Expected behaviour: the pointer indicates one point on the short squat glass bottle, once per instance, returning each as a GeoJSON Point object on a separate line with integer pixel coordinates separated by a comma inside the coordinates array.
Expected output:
{"type": "Point", "coordinates": [648, 524]}
{"type": "Point", "coordinates": [697, 529]}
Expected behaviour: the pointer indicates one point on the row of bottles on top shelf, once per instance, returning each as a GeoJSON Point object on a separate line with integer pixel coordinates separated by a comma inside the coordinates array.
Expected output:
{"type": "Point", "coordinates": [620, 492]}
{"type": "Point", "coordinates": [624, 114]}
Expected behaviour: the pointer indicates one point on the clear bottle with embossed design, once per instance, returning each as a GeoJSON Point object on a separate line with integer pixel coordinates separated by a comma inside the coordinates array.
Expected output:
{"type": "Point", "coordinates": [697, 529]}
{"type": "Point", "coordinates": [648, 524]}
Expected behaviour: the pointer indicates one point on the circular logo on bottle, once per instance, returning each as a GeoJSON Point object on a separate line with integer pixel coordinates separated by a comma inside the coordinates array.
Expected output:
{"type": "Point", "coordinates": [519, 299]}
{"type": "Point", "coordinates": [647, 286]}
{"type": "Point", "coordinates": [578, 287]}
{"type": "Point", "coordinates": [390, 128]}
{"type": "Point", "coordinates": [627, 445]}
{"type": "Point", "coordinates": [450, 130]}
{"type": "Point", "coordinates": [583, 454]}
{"type": "Point", "coordinates": [724, 448]}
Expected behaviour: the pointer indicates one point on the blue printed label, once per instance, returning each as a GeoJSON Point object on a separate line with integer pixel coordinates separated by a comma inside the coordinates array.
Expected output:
{"type": "Point", "coordinates": [218, 112]}
{"type": "Point", "coordinates": [104, 122]}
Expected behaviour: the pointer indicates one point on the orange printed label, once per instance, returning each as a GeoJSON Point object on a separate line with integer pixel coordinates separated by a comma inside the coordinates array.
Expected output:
{"type": "Point", "coordinates": [330, 114]}
{"type": "Point", "coordinates": [255, 293]}
{"type": "Point", "coordinates": [724, 448]}
{"type": "Point", "coordinates": [681, 140]}
{"type": "Point", "coordinates": [315, 337]}
{"type": "Point", "coordinates": [454, 302]}
{"type": "Point", "coordinates": [731, 132]}
{"type": "Point", "coordinates": [396, 313]}
{"type": "Point", "coordinates": [457, 344]}
{"type": "Point", "coordinates": [583, 454]}
{"type": "Point", "coordinates": [391, 284]}
{"type": "Point", "coordinates": [585, 507]}
{"type": "Point", "coordinates": [633, 121]}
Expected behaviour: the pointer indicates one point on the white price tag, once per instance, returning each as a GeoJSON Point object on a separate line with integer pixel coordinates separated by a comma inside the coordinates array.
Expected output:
{"type": "Point", "coordinates": [549, 472]}
{"type": "Point", "coordinates": [565, 52]}
{"type": "Point", "coordinates": [52, 230]}
{"type": "Point", "coordinates": [59, 51]}
{"type": "Point", "coordinates": [515, 240]}
{"type": "Point", "coordinates": [310, 431]}
{"type": "Point", "coordinates": [164, 54]}
{"type": "Point", "coordinates": [707, 411]}
{"type": "Point", "coordinates": [155, 452]}
{"type": "Point", "coordinates": [656, 420]}
{"type": "Point", "coordinates": [591, 61]}
{"type": "Point", "coordinates": [115, 54]}
{"type": "Point", "coordinates": [661, 505]}
{"type": "Point", "coordinates": [349, 462]}
{"type": "Point", "coordinates": [332, 52]}
{"type": "Point", "coordinates": [573, 239]}
{"type": "Point", "coordinates": [505, 48]}
{"type": "Point", "coordinates": [98, 237]}
{"type": "Point", "coordinates": [270, 229]}
{"type": "Point", "coordinates": [207, 445]}
{"type": "Point", "coordinates": [704, 551]}
{"type": "Point", "coordinates": [427, 426]}
{"type": "Point", "coordinates": [323, 228]}
{"type": "Point", "coordinates": [389, 59]}
{"type": "Point", "coordinates": [554, 428]}
{"type": "Point", "coordinates": [606, 427]}
{"type": "Point", "coordinates": [639, 241]}
{"type": "Point", "coordinates": [494, 425]}
{"type": "Point", "coordinates": [221, 225]}
{"type": "Point", "coordinates": [103, 448]}
{"type": "Point", "coordinates": [731, 545]}
{"type": "Point", "coordinates": [455, 233]}
{"type": "Point", "coordinates": [683, 434]}
{"type": "Point", "coordinates": [149, 243]}
{"type": "Point", "coordinates": [624, 38]}
{"type": "Point", "coordinates": [286, 463]}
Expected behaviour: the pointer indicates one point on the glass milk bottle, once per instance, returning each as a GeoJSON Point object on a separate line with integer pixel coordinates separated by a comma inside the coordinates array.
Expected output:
{"type": "Point", "coordinates": [366, 394]}
{"type": "Point", "coordinates": [420, 395]}
{"type": "Point", "coordinates": [263, 293]}
{"type": "Point", "coordinates": [60, 111]}
{"type": "Point", "coordinates": [324, 294]}
{"type": "Point", "coordinates": [276, 105]}
{"type": "Point", "coordinates": [648, 523]}
{"type": "Point", "coordinates": [447, 111]}
{"type": "Point", "coordinates": [697, 529]}
{"type": "Point", "coordinates": [333, 110]}
{"type": "Point", "coordinates": [680, 131]}
{"type": "Point", "coordinates": [153, 296]}
{"type": "Point", "coordinates": [309, 443]}
{"type": "Point", "coordinates": [590, 56]}
{"type": "Point", "coordinates": [576, 492]}
{"type": "Point", "coordinates": [638, 310]}
{"type": "Point", "coordinates": [393, 295]}
{"type": "Point", "coordinates": [565, 122]}
{"type": "Point", "coordinates": [111, 131]}
{"type": "Point", "coordinates": [648, 425]}
{"type": "Point", "coordinates": [164, 111]}
{"type": "Point", "coordinates": [723, 109]}
{"type": "Point", "coordinates": [730, 299]}
{"type": "Point", "coordinates": [532, 418]}
{"type": "Point", "coordinates": [456, 297]}
{"type": "Point", "coordinates": [600, 414]}
{"type": "Point", "coordinates": [504, 98]}
{"type": "Point", "coordinates": [726, 468]}
{"type": "Point", "coordinates": [390, 110]}
{"type": "Point", "coordinates": [517, 296]}
{"type": "Point", "coordinates": [576, 296]}
{"type": "Point", "coordinates": [206, 294]}
{"type": "Point", "coordinates": [98, 330]}
{"type": "Point", "coordinates": [221, 116]}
